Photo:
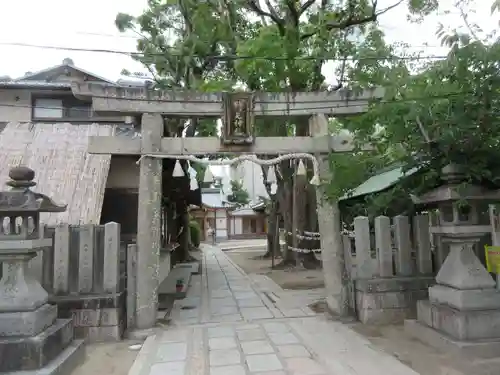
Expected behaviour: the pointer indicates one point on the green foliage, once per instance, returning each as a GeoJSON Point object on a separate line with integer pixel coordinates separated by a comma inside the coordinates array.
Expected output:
{"type": "Point", "coordinates": [179, 39]}
{"type": "Point", "coordinates": [350, 170]}
{"type": "Point", "coordinates": [225, 45]}
{"type": "Point", "coordinates": [434, 113]}
{"type": "Point", "coordinates": [238, 195]}
{"type": "Point", "coordinates": [195, 233]}
{"type": "Point", "coordinates": [456, 101]}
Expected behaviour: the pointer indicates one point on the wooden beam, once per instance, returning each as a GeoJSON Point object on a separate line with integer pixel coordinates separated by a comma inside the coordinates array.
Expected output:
{"type": "Point", "coordinates": [132, 101]}
{"type": "Point", "coordinates": [212, 145]}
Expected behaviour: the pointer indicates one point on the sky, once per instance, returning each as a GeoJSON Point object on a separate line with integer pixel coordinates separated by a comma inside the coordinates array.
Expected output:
{"type": "Point", "coordinates": [89, 24]}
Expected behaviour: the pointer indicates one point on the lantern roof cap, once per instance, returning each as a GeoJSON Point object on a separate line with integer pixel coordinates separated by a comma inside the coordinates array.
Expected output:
{"type": "Point", "coordinates": [21, 199]}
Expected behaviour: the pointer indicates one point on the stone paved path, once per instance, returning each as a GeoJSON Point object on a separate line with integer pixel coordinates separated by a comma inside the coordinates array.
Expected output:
{"type": "Point", "coordinates": [231, 324]}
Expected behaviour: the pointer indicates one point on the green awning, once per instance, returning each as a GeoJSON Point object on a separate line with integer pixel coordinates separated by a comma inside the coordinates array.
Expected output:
{"type": "Point", "coordinates": [379, 182]}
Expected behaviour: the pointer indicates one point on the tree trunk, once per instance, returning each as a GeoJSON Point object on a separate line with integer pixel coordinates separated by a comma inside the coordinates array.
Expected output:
{"type": "Point", "coordinates": [273, 246]}
{"type": "Point", "coordinates": [184, 235]}
{"type": "Point", "coordinates": [277, 244]}
{"type": "Point", "coordinates": [286, 211]}
{"type": "Point", "coordinates": [296, 222]}
{"type": "Point", "coordinates": [306, 218]}
{"type": "Point", "coordinates": [173, 229]}
{"type": "Point", "coordinates": [272, 218]}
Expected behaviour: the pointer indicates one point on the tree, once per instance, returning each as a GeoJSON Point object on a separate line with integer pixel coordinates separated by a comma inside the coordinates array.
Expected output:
{"type": "Point", "coordinates": [324, 31]}
{"type": "Point", "coordinates": [176, 41]}
{"type": "Point", "coordinates": [439, 112]}
{"type": "Point", "coordinates": [239, 196]}
{"type": "Point", "coordinates": [282, 46]}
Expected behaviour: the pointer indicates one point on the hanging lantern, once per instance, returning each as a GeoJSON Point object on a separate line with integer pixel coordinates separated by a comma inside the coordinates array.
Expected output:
{"type": "Point", "coordinates": [315, 180]}
{"type": "Point", "coordinates": [178, 172]}
{"type": "Point", "coordinates": [193, 183]}
{"type": "Point", "coordinates": [271, 175]}
{"type": "Point", "coordinates": [239, 171]}
{"type": "Point", "coordinates": [277, 170]}
{"type": "Point", "coordinates": [208, 177]}
{"type": "Point", "coordinates": [192, 172]}
{"type": "Point", "coordinates": [301, 169]}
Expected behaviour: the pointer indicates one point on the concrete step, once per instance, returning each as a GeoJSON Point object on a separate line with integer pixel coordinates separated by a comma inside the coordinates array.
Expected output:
{"type": "Point", "coordinates": [64, 364]}
{"type": "Point", "coordinates": [195, 267]}
{"type": "Point", "coordinates": [167, 291]}
{"type": "Point", "coordinates": [141, 364]}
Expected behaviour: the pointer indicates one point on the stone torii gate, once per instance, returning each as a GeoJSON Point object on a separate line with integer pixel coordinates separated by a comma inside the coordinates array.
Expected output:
{"type": "Point", "coordinates": [238, 111]}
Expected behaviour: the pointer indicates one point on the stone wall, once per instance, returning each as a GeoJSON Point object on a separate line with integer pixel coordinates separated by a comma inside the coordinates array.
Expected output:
{"type": "Point", "coordinates": [85, 275]}
{"type": "Point", "coordinates": [390, 267]}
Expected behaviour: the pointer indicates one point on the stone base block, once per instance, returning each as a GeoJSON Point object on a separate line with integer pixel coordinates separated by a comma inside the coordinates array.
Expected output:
{"type": "Point", "coordinates": [96, 318]}
{"type": "Point", "coordinates": [440, 341]}
{"type": "Point", "coordinates": [460, 325]}
{"type": "Point", "coordinates": [89, 302]}
{"type": "Point", "coordinates": [63, 364]}
{"type": "Point", "coordinates": [475, 299]}
{"type": "Point", "coordinates": [32, 353]}
{"type": "Point", "coordinates": [385, 316]}
{"type": "Point", "coordinates": [394, 284]}
{"type": "Point", "coordinates": [387, 307]}
{"type": "Point", "coordinates": [100, 334]}
{"type": "Point", "coordinates": [28, 323]}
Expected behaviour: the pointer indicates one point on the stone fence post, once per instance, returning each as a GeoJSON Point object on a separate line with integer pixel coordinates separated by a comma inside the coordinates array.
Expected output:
{"type": "Point", "coordinates": [87, 280]}
{"type": "Point", "coordinates": [387, 284]}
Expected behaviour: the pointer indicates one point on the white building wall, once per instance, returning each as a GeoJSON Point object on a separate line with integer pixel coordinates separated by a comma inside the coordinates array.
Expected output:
{"type": "Point", "coordinates": [15, 105]}
{"type": "Point", "coordinates": [252, 178]}
{"type": "Point", "coordinates": [220, 217]}
{"type": "Point", "coordinates": [236, 225]}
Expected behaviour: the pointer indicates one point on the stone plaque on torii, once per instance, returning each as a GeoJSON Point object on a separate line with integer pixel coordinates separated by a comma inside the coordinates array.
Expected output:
{"type": "Point", "coordinates": [238, 119]}
{"type": "Point", "coordinates": [238, 111]}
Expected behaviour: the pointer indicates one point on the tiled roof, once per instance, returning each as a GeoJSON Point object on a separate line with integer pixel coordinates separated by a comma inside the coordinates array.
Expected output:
{"type": "Point", "coordinates": [247, 211]}
{"type": "Point", "coordinates": [64, 65]}
{"type": "Point", "coordinates": [34, 85]}
{"type": "Point", "coordinates": [212, 200]}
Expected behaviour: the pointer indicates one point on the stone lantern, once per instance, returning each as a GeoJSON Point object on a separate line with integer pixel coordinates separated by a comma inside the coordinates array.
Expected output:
{"type": "Point", "coordinates": [463, 310]}
{"type": "Point", "coordinates": [31, 336]}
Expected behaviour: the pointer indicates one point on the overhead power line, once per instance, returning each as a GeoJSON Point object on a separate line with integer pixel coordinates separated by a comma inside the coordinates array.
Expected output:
{"type": "Point", "coordinates": [139, 37]}
{"type": "Point", "coordinates": [314, 105]}
{"type": "Point", "coordinates": [227, 57]}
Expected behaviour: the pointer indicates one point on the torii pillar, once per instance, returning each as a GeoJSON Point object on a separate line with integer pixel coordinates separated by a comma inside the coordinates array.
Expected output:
{"type": "Point", "coordinates": [332, 252]}
{"type": "Point", "coordinates": [149, 222]}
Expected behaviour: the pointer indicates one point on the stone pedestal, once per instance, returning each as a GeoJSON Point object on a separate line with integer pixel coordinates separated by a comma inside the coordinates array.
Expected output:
{"type": "Point", "coordinates": [463, 310]}
{"type": "Point", "coordinates": [32, 339]}
{"type": "Point", "coordinates": [31, 336]}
